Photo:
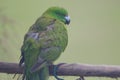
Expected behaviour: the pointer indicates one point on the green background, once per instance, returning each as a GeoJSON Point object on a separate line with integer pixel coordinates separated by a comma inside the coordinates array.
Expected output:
{"type": "Point", "coordinates": [94, 32]}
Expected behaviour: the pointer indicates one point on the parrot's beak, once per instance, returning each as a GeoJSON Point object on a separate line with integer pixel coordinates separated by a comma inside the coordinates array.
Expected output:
{"type": "Point", "coordinates": [67, 18]}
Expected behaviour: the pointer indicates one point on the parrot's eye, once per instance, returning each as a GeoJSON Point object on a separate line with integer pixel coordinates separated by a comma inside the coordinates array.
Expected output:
{"type": "Point", "coordinates": [60, 14]}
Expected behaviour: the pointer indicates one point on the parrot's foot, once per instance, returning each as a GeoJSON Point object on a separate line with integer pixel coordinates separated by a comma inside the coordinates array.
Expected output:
{"type": "Point", "coordinates": [55, 71]}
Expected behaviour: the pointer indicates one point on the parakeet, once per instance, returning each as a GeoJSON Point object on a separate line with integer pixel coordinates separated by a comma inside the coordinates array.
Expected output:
{"type": "Point", "coordinates": [44, 42]}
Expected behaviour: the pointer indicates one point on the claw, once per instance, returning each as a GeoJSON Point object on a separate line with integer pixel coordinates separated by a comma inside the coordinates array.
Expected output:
{"type": "Point", "coordinates": [55, 71]}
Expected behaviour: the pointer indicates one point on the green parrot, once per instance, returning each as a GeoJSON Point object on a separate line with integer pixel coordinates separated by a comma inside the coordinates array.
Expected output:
{"type": "Point", "coordinates": [44, 42]}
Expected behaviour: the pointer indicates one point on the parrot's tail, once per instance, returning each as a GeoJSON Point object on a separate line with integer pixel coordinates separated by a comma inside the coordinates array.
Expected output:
{"type": "Point", "coordinates": [42, 74]}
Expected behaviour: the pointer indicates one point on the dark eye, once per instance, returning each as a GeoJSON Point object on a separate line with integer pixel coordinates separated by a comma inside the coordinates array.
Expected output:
{"type": "Point", "coordinates": [60, 14]}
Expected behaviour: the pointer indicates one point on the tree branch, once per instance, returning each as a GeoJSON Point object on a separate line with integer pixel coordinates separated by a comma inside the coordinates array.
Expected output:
{"type": "Point", "coordinates": [70, 70]}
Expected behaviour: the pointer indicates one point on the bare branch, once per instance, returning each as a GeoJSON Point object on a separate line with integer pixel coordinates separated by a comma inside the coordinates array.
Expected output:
{"type": "Point", "coordinates": [10, 68]}
{"type": "Point", "coordinates": [70, 70]}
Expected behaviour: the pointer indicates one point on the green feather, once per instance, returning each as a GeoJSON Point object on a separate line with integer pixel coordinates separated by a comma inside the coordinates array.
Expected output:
{"type": "Point", "coordinates": [44, 42]}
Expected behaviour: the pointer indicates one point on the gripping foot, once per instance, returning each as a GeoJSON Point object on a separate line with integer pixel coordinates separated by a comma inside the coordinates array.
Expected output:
{"type": "Point", "coordinates": [55, 69]}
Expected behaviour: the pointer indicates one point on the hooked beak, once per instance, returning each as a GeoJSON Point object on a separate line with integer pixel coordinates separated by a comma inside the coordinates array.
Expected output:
{"type": "Point", "coordinates": [67, 18]}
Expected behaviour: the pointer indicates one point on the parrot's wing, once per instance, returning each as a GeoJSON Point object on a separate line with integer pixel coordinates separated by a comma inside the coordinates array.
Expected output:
{"type": "Point", "coordinates": [41, 62]}
{"type": "Point", "coordinates": [50, 48]}
{"type": "Point", "coordinates": [38, 65]}
{"type": "Point", "coordinates": [31, 37]}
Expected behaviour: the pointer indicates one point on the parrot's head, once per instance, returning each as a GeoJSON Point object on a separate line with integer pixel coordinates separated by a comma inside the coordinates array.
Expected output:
{"type": "Point", "coordinates": [58, 13]}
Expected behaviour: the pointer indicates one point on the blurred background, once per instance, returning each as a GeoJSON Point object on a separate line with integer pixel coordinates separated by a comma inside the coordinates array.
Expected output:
{"type": "Point", "coordinates": [94, 32]}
